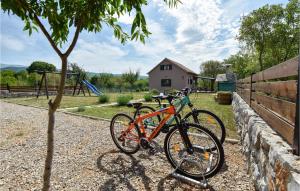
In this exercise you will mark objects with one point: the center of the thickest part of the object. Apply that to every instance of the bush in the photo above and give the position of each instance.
(154, 92)
(81, 109)
(123, 100)
(103, 98)
(148, 97)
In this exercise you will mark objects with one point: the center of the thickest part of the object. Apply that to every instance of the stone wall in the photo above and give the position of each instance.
(269, 158)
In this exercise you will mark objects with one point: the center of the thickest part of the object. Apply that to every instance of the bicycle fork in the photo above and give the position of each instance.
(182, 127)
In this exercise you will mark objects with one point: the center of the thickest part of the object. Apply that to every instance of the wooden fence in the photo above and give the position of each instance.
(30, 88)
(272, 93)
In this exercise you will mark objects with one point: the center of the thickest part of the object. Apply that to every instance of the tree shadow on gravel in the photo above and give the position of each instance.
(159, 152)
(122, 168)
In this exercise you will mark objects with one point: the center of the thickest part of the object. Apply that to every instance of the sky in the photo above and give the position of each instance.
(194, 32)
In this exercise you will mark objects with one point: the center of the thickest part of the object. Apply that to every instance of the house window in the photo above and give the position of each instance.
(190, 80)
(165, 82)
(166, 67)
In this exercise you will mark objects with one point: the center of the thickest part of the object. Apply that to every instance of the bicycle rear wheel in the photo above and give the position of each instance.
(208, 120)
(204, 162)
(125, 136)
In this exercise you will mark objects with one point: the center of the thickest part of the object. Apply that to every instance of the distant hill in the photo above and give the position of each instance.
(16, 68)
(91, 74)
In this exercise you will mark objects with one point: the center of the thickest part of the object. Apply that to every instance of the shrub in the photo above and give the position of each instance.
(123, 100)
(154, 92)
(103, 98)
(81, 109)
(148, 97)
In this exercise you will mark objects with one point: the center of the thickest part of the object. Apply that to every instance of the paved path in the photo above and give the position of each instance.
(86, 158)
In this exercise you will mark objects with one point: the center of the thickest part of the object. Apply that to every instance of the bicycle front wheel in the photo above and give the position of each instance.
(204, 162)
(124, 133)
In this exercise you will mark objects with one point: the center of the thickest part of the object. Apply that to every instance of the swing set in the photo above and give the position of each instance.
(79, 85)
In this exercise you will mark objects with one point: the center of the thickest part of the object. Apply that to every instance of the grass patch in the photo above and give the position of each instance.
(148, 97)
(81, 109)
(224, 112)
(107, 112)
(124, 99)
(70, 101)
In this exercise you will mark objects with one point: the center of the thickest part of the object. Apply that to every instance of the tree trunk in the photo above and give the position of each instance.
(50, 133)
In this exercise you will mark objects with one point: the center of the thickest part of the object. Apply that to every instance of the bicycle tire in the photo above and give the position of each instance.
(205, 174)
(115, 139)
(198, 112)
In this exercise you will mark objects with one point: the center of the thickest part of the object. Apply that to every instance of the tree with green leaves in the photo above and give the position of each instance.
(131, 77)
(211, 68)
(272, 33)
(64, 17)
(75, 68)
(243, 64)
(256, 28)
(40, 66)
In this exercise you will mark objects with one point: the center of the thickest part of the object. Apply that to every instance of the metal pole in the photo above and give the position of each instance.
(297, 121)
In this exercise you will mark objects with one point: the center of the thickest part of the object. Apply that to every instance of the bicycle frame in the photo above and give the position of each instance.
(180, 104)
(170, 111)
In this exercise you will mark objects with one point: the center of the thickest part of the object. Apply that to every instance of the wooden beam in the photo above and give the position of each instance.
(296, 143)
(285, 129)
(285, 89)
(285, 69)
(283, 108)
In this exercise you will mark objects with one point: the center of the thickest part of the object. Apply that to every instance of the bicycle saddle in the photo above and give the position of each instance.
(135, 104)
(164, 97)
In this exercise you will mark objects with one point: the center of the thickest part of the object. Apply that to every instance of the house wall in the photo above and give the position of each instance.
(179, 77)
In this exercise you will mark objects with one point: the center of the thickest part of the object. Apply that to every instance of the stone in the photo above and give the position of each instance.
(270, 162)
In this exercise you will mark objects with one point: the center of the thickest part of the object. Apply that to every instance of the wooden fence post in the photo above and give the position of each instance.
(297, 120)
(7, 87)
(250, 96)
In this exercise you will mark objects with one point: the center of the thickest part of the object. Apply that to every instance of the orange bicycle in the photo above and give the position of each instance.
(191, 149)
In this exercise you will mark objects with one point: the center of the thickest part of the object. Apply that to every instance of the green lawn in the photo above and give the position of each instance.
(70, 101)
(201, 101)
(106, 112)
(207, 102)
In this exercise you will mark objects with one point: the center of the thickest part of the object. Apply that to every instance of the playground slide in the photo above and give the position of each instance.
(92, 87)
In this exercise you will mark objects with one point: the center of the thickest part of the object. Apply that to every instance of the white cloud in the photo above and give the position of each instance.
(97, 57)
(202, 32)
(126, 19)
(157, 43)
(11, 42)
(196, 19)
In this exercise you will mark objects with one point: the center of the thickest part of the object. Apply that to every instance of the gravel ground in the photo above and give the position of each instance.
(86, 158)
